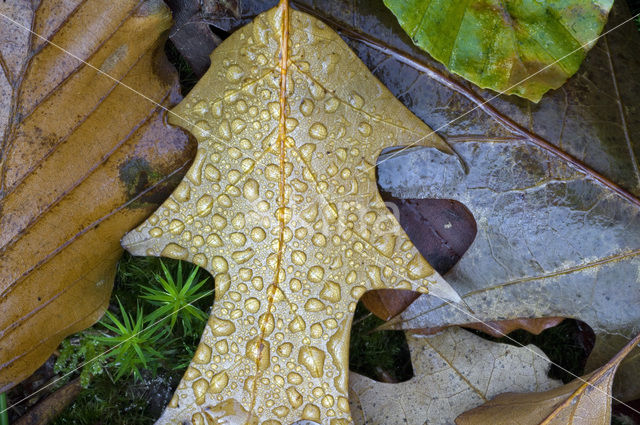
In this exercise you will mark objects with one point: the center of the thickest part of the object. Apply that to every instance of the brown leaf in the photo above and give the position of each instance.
(585, 401)
(501, 328)
(282, 207)
(191, 34)
(447, 380)
(215, 9)
(83, 159)
(388, 303)
(46, 410)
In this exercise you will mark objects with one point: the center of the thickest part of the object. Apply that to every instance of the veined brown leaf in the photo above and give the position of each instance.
(585, 401)
(82, 160)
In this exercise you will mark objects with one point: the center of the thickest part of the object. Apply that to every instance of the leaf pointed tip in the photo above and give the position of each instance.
(441, 289)
(135, 243)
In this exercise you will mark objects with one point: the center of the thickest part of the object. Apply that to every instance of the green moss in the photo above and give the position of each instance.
(133, 381)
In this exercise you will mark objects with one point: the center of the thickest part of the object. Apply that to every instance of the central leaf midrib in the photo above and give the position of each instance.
(282, 202)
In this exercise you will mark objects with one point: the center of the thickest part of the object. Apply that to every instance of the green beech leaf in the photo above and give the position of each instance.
(497, 44)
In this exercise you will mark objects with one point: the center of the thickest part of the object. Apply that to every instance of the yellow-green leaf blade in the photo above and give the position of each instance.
(523, 48)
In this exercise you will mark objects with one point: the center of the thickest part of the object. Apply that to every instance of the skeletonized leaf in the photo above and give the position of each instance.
(282, 207)
(497, 44)
(585, 401)
(82, 160)
(448, 380)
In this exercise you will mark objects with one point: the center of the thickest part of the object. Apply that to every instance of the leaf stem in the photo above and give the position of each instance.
(282, 200)
(4, 412)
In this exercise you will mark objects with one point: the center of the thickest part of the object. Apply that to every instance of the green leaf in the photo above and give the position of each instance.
(497, 44)
(174, 299)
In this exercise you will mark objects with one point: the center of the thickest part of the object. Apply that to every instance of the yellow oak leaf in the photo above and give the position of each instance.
(281, 206)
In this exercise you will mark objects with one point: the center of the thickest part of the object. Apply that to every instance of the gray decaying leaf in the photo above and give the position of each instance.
(550, 242)
(563, 245)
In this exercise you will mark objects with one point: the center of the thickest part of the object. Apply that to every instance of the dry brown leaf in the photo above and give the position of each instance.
(585, 401)
(281, 206)
(82, 160)
(191, 34)
(447, 380)
(49, 408)
(503, 327)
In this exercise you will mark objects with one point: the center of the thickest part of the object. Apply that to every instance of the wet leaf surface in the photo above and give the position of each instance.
(72, 182)
(593, 117)
(441, 229)
(281, 206)
(447, 380)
